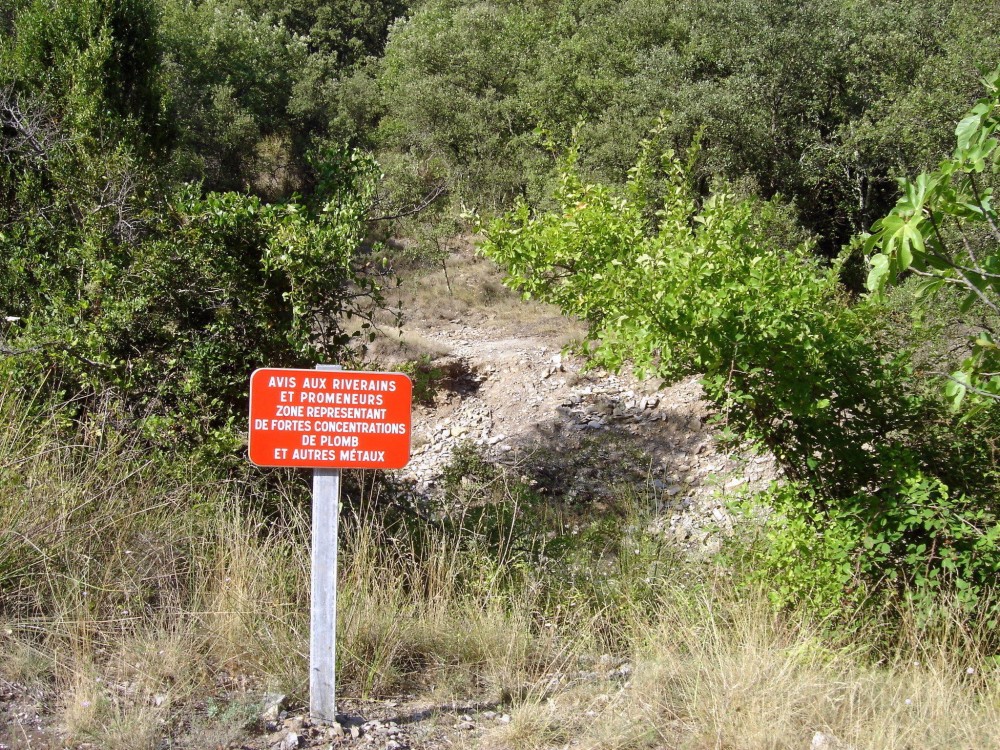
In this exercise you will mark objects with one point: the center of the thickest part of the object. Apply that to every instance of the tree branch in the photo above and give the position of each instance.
(967, 386)
(428, 199)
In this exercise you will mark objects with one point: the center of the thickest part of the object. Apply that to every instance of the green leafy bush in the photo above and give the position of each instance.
(225, 104)
(681, 284)
(801, 553)
(115, 282)
(917, 540)
(465, 83)
(694, 286)
(946, 230)
(174, 323)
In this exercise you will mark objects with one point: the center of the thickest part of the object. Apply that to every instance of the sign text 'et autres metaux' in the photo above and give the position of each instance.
(336, 419)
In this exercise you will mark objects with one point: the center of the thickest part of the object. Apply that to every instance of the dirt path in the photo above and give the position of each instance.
(511, 393)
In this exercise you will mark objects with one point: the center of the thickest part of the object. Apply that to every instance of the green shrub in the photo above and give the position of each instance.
(704, 285)
(465, 83)
(426, 378)
(172, 321)
(694, 286)
(115, 282)
(917, 541)
(945, 230)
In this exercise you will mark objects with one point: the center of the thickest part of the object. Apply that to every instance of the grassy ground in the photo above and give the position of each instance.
(144, 601)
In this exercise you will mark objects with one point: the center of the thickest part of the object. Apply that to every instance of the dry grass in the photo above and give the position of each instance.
(430, 611)
(253, 595)
(468, 288)
(134, 593)
(723, 670)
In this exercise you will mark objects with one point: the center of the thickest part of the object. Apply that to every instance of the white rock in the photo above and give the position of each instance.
(271, 706)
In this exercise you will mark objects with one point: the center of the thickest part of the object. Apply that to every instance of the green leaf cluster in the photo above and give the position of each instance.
(946, 230)
(678, 283)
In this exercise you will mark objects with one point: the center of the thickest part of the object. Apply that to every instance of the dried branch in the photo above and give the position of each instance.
(438, 191)
(31, 133)
(34, 131)
(8, 351)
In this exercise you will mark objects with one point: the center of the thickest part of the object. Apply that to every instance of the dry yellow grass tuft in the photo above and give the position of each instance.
(132, 592)
(723, 670)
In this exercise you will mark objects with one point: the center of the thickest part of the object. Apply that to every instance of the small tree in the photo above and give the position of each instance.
(683, 284)
(945, 230)
(114, 282)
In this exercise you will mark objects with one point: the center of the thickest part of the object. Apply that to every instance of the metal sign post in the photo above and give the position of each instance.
(299, 418)
(323, 598)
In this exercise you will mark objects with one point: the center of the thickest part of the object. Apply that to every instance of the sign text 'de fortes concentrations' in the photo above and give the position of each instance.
(330, 419)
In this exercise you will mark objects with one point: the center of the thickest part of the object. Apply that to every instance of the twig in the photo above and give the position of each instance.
(427, 201)
(967, 386)
(986, 213)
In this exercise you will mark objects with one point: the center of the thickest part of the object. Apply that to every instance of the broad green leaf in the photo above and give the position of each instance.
(904, 256)
(966, 129)
(927, 287)
(879, 269)
(956, 387)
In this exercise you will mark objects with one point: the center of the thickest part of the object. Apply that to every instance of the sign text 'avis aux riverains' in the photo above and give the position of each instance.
(332, 419)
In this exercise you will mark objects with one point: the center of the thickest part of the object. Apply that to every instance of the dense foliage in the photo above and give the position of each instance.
(118, 281)
(821, 102)
(946, 230)
(677, 284)
(254, 86)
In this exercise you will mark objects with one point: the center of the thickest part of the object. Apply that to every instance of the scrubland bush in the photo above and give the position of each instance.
(887, 489)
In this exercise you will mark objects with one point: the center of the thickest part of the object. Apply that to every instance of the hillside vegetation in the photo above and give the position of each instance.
(792, 201)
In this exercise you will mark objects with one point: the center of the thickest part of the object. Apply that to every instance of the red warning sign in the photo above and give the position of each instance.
(330, 419)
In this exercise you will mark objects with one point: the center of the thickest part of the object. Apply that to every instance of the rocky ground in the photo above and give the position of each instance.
(578, 434)
(383, 725)
(495, 379)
